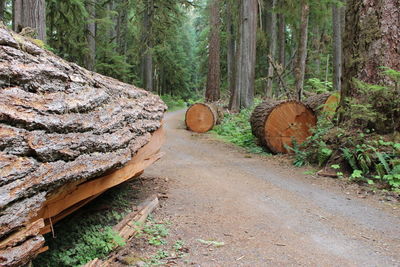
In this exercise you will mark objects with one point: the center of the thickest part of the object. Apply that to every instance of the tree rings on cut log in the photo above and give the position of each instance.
(277, 123)
(326, 102)
(202, 117)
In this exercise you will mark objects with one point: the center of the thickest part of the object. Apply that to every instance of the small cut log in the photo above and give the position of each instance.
(277, 124)
(202, 117)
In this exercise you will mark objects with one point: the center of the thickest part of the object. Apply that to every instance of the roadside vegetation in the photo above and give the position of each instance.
(367, 147)
(88, 234)
(235, 128)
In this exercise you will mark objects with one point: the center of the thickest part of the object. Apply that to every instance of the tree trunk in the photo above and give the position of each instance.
(230, 47)
(62, 129)
(337, 46)
(2, 9)
(300, 66)
(317, 49)
(281, 36)
(272, 32)
(246, 56)
(90, 58)
(282, 40)
(213, 76)
(30, 13)
(147, 55)
(277, 123)
(201, 118)
(122, 27)
(16, 15)
(372, 40)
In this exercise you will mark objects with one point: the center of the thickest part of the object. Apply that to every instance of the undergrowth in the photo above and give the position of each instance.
(173, 103)
(235, 128)
(362, 146)
(88, 233)
(176, 102)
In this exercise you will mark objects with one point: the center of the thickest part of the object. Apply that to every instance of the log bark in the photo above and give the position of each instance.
(62, 126)
(202, 117)
(326, 102)
(277, 123)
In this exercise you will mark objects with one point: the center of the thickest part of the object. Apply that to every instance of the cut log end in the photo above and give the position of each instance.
(278, 124)
(201, 118)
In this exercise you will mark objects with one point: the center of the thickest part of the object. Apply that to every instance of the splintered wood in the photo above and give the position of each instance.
(66, 136)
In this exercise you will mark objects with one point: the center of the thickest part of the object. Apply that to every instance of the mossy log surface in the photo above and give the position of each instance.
(59, 124)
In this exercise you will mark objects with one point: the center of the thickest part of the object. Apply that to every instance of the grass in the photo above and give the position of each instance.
(236, 129)
(88, 233)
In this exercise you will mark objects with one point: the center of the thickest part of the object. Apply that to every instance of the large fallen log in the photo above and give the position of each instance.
(66, 136)
(277, 124)
(202, 117)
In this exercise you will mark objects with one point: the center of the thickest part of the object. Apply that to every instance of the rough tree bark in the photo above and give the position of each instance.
(337, 46)
(243, 96)
(147, 61)
(59, 125)
(30, 13)
(281, 40)
(317, 44)
(372, 40)
(231, 64)
(272, 33)
(2, 9)
(90, 58)
(300, 65)
(122, 27)
(213, 76)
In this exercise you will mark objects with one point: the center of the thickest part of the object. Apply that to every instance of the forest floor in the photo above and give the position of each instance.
(226, 207)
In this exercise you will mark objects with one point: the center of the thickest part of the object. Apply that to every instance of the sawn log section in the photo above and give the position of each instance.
(278, 123)
(66, 136)
(202, 117)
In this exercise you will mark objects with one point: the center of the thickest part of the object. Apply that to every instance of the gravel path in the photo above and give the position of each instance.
(266, 213)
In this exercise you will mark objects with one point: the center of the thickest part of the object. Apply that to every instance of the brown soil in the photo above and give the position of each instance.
(266, 212)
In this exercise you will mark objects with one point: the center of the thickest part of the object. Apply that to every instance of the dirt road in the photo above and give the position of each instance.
(267, 214)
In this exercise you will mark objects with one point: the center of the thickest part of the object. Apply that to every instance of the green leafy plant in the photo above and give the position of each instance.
(236, 129)
(88, 234)
(173, 103)
(156, 232)
(318, 86)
